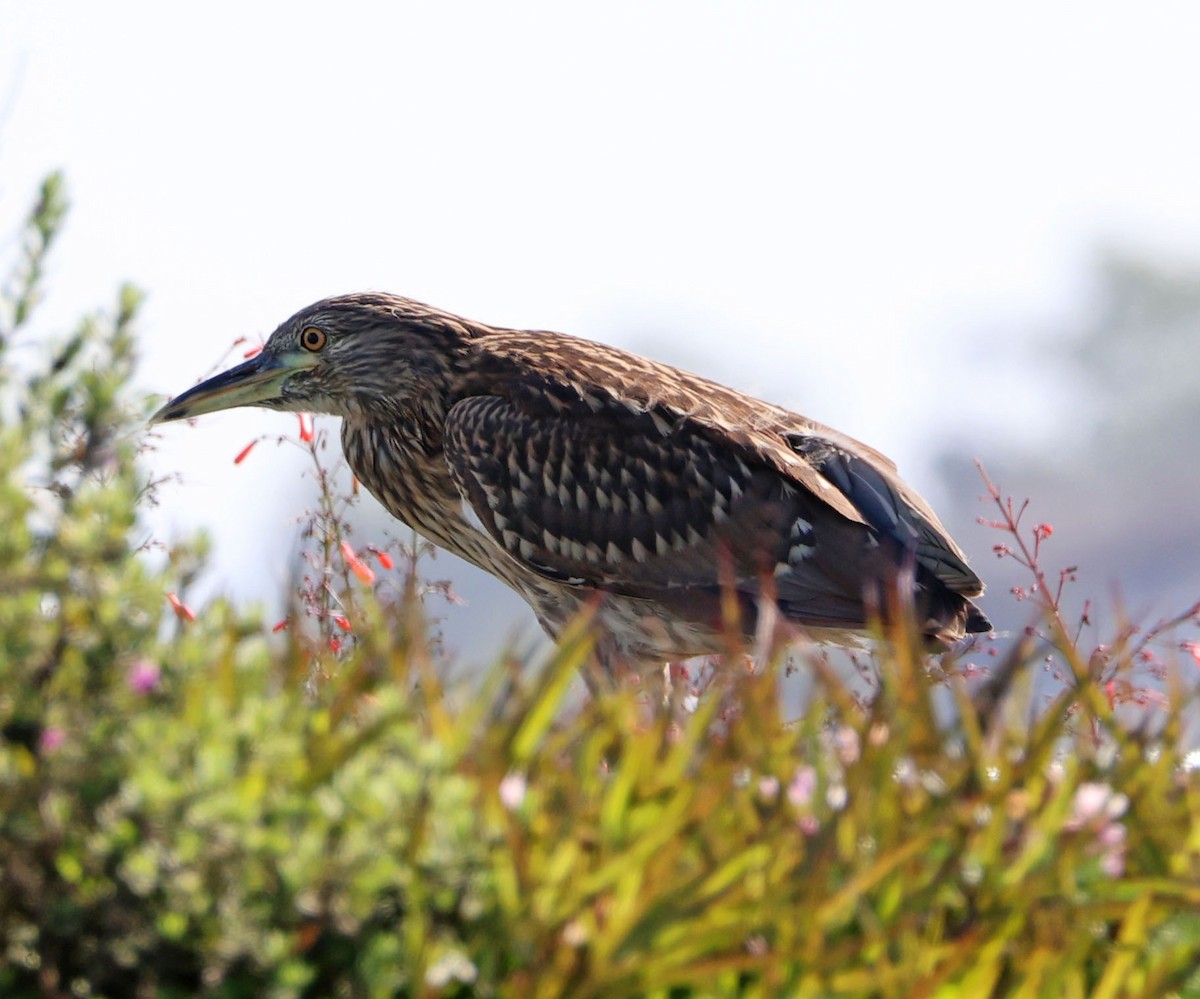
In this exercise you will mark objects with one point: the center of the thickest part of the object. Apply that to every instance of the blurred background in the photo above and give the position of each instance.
(952, 231)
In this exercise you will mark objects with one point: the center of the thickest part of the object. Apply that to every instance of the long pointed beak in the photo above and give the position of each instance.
(251, 383)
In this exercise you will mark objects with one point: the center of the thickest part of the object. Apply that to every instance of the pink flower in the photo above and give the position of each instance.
(802, 786)
(846, 744)
(1111, 842)
(1194, 649)
(1096, 808)
(51, 739)
(143, 676)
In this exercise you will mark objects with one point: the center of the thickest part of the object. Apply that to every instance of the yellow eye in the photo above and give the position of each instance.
(313, 339)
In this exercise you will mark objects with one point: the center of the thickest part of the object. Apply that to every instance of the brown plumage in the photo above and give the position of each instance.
(581, 474)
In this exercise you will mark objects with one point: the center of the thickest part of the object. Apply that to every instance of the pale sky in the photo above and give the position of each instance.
(818, 203)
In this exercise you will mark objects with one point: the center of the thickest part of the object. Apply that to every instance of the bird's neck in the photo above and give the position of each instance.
(400, 463)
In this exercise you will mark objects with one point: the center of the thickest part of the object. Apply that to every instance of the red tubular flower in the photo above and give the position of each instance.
(365, 574)
(306, 427)
(241, 456)
(182, 610)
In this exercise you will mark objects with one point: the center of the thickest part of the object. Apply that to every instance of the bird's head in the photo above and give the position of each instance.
(341, 356)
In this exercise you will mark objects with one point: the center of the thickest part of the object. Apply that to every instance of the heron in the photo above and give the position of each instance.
(588, 478)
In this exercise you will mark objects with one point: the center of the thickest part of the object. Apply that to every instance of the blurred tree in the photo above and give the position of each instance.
(1115, 469)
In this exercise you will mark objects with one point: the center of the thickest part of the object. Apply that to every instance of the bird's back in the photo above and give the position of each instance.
(597, 468)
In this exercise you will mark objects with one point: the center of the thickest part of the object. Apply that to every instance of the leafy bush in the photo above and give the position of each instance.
(192, 803)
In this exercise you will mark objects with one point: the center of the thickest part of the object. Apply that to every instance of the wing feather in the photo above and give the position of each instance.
(602, 503)
(602, 468)
(581, 499)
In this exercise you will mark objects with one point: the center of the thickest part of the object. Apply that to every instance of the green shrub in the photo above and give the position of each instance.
(193, 805)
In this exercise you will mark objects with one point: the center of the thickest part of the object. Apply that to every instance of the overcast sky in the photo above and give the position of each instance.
(819, 203)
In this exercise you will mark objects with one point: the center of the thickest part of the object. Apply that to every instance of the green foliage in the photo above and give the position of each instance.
(190, 805)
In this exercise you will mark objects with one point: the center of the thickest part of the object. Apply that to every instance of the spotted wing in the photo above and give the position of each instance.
(841, 474)
(609, 501)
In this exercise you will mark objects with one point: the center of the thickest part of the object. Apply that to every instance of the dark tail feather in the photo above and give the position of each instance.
(951, 618)
(977, 621)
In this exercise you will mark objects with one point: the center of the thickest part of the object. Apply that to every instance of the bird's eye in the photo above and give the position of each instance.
(313, 339)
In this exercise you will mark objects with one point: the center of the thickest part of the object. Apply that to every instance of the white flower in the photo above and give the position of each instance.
(453, 966)
(512, 791)
(1095, 803)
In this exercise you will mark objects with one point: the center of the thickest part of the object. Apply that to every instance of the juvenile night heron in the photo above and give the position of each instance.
(585, 476)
